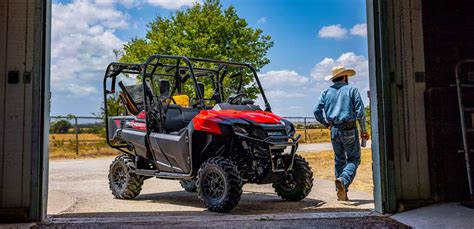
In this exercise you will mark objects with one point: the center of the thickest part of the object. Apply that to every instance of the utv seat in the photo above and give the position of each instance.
(132, 97)
(178, 117)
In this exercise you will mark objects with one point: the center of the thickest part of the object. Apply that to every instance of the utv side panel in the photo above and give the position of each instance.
(173, 149)
(137, 138)
(113, 125)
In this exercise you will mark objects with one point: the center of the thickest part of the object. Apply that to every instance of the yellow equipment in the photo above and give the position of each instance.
(182, 100)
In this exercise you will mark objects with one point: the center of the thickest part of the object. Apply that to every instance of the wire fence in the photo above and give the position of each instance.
(82, 135)
(75, 133)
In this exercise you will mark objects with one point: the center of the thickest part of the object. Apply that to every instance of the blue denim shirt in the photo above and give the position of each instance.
(341, 103)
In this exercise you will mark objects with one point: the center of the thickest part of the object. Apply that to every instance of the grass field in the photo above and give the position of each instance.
(63, 146)
(314, 135)
(322, 164)
(82, 137)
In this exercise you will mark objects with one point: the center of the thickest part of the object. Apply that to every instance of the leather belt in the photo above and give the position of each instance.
(345, 126)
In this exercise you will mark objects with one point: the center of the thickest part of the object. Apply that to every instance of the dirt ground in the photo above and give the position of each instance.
(322, 164)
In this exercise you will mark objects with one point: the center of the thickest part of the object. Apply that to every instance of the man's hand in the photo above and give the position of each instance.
(329, 126)
(365, 136)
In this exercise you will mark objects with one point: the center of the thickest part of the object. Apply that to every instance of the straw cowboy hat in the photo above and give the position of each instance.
(340, 71)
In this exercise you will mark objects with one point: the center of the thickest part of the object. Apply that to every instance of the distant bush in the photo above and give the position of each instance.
(60, 127)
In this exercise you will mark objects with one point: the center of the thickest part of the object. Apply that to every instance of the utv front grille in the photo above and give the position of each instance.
(275, 133)
(263, 133)
(278, 139)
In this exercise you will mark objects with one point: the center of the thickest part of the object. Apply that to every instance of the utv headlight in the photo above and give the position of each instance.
(240, 130)
(290, 129)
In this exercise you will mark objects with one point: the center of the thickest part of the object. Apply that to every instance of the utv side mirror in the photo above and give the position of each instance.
(164, 88)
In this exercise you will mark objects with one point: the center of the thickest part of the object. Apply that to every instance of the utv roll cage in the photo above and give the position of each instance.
(148, 69)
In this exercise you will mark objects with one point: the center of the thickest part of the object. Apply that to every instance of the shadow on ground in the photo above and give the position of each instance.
(335, 222)
(255, 209)
(250, 203)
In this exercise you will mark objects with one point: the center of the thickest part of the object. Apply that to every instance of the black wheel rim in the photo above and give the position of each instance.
(214, 185)
(119, 178)
(288, 183)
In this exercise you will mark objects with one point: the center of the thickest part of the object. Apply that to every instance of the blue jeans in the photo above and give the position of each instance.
(346, 147)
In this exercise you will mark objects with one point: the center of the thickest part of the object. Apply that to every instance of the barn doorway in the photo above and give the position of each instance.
(79, 139)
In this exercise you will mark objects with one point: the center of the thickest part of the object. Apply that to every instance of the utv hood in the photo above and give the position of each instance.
(257, 116)
(209, 120)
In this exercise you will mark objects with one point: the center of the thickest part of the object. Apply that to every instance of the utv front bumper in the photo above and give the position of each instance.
(283, 160)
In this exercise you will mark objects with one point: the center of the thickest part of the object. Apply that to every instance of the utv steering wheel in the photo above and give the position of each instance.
(233, 99)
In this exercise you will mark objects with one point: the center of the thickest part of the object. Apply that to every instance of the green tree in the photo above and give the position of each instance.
(114, 107)
(60, 127)
(367, 116)
(205, 30)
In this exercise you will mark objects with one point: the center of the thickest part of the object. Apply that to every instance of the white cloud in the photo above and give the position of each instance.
(349, 60)
(283, 95)
(333, 31)
(359, 30)
(126, 3)
(173, 4)
(339, 32)
(292, 94)
(262, 20)
(282, 78)
(82, 44)
(285, 89)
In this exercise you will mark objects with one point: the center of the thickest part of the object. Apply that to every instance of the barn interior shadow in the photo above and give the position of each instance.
(250, 203)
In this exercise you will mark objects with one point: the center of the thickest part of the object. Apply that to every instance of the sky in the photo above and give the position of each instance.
(310, 38)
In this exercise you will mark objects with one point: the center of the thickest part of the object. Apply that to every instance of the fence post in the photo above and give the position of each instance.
(305, 132)
(77, 136)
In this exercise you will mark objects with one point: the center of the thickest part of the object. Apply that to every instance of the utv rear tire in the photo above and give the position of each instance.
(123, 182)
(298, 183)
(219, 185)
(188, 185)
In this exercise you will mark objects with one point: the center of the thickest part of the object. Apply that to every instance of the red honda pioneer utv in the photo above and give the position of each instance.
(213, 142)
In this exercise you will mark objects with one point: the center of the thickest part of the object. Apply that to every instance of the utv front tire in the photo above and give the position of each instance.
(123, 182)
(219, 185)
(188, 185)
(297, 184)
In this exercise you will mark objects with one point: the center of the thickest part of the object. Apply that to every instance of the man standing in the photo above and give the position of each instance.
(342, 106)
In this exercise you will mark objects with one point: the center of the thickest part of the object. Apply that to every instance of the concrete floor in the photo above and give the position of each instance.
(443, 215)
(311, 220)
(81, 186)
(78, 192)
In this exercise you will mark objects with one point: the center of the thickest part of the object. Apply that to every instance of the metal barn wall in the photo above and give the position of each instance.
(23, 71)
